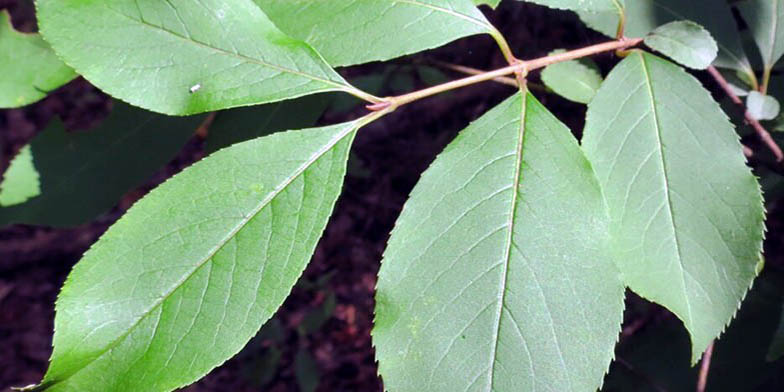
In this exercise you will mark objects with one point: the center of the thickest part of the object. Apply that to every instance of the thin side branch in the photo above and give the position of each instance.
(519, 68)
(763, 134)
(473, 71)
(702, 381)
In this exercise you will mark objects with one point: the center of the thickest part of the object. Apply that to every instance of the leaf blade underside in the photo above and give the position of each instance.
(497, 275)
(687, 215)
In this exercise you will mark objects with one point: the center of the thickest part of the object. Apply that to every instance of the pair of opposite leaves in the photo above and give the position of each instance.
(506, 270)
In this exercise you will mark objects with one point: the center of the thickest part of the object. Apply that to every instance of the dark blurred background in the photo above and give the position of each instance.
(320, 338)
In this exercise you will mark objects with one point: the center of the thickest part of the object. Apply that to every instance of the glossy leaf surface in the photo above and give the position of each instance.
(190, 273)
(766, 22)
(687, 216)
(497, 275)
(685, 42)
(84, 174)
(181, 56)
(360, 31)
(29, 69)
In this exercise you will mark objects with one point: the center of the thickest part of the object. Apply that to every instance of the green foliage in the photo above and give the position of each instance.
(477, 288)
(576, 80)
(359, 31)
(241, 124)
(184, 57)
(762, 107)
(508, 266)
(157, 309)
(21, 180)
(29, 69)
(766, 22)
(83, 175)
(685, 42)
(687, 215)
(583, 5)
(643, 16)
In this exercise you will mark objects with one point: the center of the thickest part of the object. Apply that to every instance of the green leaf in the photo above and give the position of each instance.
(685, 42)
(360, 31)
(766, 22)
(84, 174)
(183, 57)
(306, 371)
(576, 80)
(241, 124)
(190, 273)
(643, 16)
(29, 69)
(497, 275)
(21, 180)
(583, 5)
(687, 215)
(762, 107)
(490, 3)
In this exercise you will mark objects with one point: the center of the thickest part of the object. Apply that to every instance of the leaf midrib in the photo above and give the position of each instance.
(510, 223)
(350, 128)
(654, 111)
(238, 55)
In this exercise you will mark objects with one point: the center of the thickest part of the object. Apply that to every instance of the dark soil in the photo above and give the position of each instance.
(389, 157)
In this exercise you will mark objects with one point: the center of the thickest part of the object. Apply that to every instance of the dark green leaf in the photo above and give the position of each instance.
(83, 175)
(241, 124)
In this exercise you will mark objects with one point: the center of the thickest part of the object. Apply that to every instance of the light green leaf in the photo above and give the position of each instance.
(685, 42)
(181, 56)
(576, 80)
(490, 3)
(190, 273)
(583, 5)
(84, 174)
(241, 124)
(687, 215)
(360, 31)
(497, 275)
(21, 180)
(643, 16)
(29, 69)
(766, 22)
(762, 107)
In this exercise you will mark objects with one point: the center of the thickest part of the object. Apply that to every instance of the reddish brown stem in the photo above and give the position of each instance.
(763, 134)
(702, 381)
